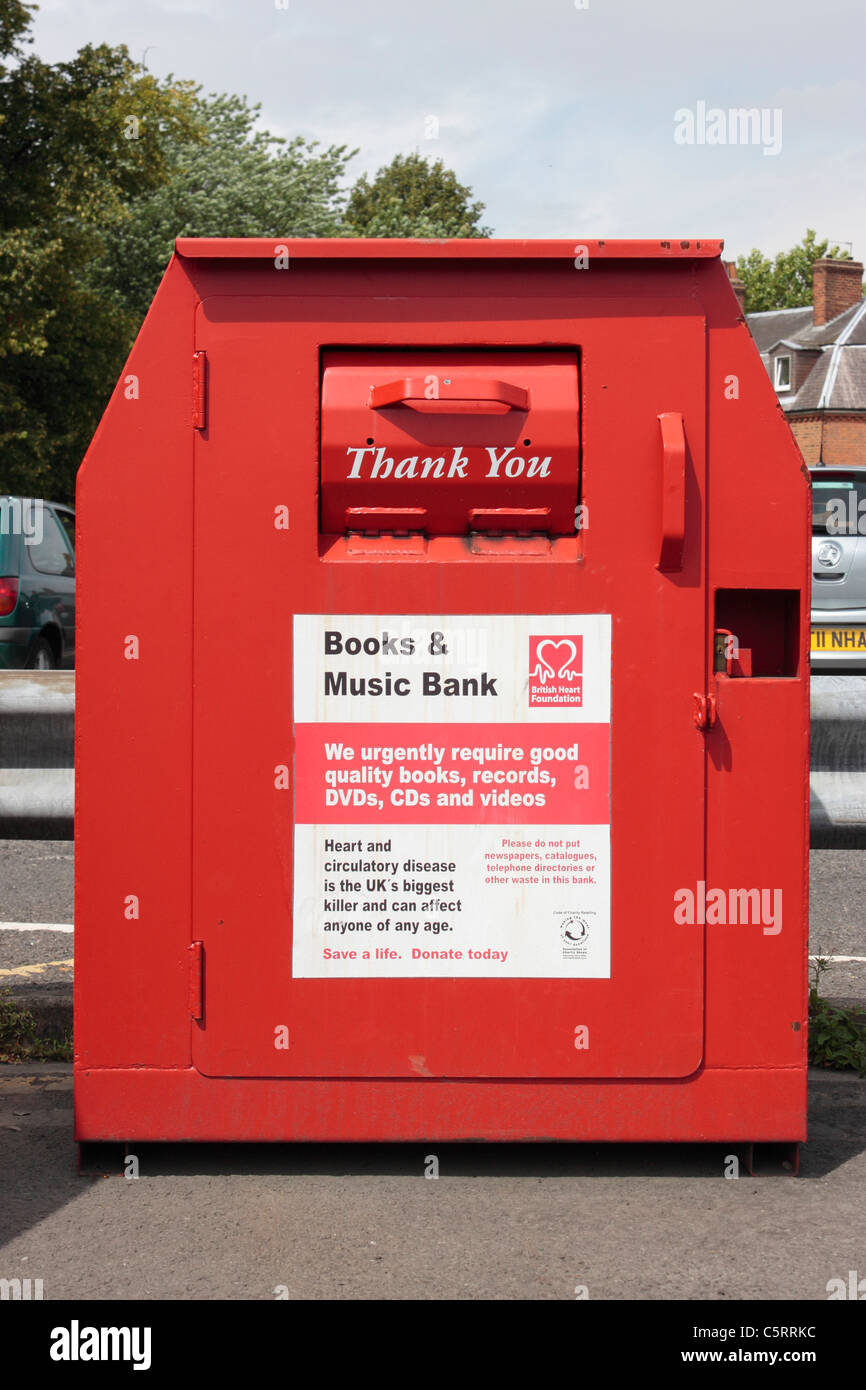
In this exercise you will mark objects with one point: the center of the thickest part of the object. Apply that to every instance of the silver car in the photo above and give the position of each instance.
(838, 569)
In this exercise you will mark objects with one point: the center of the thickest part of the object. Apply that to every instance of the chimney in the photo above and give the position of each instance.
(736, 284)
(836, 286)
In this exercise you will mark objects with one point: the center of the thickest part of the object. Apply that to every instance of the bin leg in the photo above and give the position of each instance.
(766, 1160)
(102, 1160)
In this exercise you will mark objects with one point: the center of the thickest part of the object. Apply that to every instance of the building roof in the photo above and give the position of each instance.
(772, 325)
(837, 380)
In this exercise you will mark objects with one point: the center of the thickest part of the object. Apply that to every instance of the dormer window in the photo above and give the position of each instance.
(782, 373)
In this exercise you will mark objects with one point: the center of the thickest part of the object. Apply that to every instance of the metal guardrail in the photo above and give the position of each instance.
(837, 778)
(37, 714)
(37, 787)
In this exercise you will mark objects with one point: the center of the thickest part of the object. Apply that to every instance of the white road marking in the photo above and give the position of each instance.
(842, 960)
(36, 926)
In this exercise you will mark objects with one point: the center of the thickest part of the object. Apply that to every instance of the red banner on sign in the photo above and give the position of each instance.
(553, 774)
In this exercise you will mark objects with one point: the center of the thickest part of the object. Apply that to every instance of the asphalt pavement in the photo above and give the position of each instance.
(623, 1222)
(363, 1222)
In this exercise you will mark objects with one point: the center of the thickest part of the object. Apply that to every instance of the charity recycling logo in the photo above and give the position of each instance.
(574, 931)
(555, 670)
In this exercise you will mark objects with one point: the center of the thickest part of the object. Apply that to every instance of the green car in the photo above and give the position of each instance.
(37, 584)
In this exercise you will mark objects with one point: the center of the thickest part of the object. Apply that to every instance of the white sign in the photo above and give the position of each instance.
(452, 796)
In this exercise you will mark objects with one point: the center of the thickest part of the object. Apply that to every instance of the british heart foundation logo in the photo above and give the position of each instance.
(555, 671)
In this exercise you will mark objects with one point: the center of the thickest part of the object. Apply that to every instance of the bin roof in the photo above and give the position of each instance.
(445, 248)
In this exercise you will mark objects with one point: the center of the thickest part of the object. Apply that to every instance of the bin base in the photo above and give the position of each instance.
(743, 1106)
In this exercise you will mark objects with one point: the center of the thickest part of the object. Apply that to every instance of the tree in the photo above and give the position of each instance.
(77, 139)
(15, 19)
(786, 282)
(102, 166)
(410, 197)
(233, 181)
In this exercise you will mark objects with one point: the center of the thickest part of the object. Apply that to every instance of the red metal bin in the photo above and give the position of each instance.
(442, 718)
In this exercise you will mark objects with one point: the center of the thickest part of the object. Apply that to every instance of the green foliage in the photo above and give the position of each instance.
(837, 1037)
(233, 180)
(786, 282)
(15, 19)
(16, 1025)
(19, 1039)
(77, 139)
(67, 167)
(102, 166)
(410, 197)
(53, 1049)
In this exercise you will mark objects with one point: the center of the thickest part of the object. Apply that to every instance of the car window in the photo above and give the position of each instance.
(838, 506)
(67, 521)
(52, 553)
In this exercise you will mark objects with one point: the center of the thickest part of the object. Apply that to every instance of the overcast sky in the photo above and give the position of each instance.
(561, 118)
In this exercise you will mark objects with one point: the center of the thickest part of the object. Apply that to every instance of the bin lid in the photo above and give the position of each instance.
(445, 248)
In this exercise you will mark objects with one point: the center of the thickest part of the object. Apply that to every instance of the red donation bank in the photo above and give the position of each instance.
(442, 727)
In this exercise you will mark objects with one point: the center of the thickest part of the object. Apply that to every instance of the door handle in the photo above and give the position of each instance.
(453, 396)
(673, 491)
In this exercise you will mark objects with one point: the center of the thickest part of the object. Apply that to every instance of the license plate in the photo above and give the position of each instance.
(839, 639)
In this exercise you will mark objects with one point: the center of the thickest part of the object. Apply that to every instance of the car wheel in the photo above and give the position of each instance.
(42, 657)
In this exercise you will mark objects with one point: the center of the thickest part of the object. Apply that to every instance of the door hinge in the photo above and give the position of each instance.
(704, 713)
(196, 980)
(199, 390)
